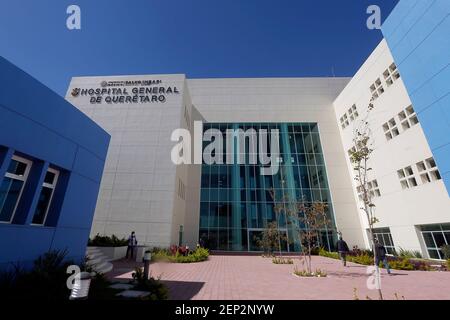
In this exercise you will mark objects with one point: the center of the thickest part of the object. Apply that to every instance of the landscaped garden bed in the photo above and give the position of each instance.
(47, 280)
(405, 261)
(110, 246)
(179, 255)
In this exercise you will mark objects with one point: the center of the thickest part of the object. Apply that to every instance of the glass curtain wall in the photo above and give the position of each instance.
(236, 201)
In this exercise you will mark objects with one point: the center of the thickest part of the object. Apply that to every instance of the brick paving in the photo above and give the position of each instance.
(254, 277)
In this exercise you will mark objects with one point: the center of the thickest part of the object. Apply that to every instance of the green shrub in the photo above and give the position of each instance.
(409, 254)
(282, 260)
(361, 259)
(328, 254)
(448, 265)
(107, 241)
(46, 280)
(163, 255)
(401, 264)
(446, 251)
(304, 273)
(157, 289)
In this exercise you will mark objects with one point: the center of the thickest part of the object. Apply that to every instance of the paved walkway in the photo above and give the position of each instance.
(255, 277)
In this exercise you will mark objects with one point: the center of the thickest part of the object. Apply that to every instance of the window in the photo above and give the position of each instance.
(344, 121)
(45, 198)
(353, 113)
(12, 186)
(391, 74)
(390, 129)
(236, 201)
(384, 237)
(408, 118)
(428, 171)
(349, 116)
(435, 236)
(407, 179)
(373, 188)
(376, 89)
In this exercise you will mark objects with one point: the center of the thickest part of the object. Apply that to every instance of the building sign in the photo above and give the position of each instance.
(131, 91)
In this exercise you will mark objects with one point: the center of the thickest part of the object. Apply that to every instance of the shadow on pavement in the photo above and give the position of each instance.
(182, 290)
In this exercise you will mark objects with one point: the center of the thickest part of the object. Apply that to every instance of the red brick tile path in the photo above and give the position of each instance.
(254, 277)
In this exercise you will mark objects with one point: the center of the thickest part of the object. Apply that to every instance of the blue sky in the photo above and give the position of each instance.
(201, 38)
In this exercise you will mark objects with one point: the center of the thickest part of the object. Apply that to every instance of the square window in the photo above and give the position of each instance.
(412, 182)
(402, 115)
(435, 175)
(421, 166)
(409, 171)
(431, 163)
(404, 184)
(425, 178)
(405, 125)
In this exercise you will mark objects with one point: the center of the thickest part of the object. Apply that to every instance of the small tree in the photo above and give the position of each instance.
(360, 156)
(312, 220)
(271, 238)
(307, 219)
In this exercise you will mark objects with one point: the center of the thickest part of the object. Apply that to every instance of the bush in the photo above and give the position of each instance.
(448, 265)
(304, 273)
(409, 254)
(360, 252)
(46, 280)
(157, 289)
(107, 241)
(401, 264)
(282, 260)
(328, 254)
(363, 259)
(446, 251)
(164, 255)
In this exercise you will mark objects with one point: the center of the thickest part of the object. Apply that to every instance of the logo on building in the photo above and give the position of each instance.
(75, 92)
(127, 91)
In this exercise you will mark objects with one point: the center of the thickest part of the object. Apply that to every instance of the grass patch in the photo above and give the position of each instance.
(304, 273)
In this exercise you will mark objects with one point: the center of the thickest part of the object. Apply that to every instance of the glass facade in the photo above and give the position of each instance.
(436, 236)
(236, 201)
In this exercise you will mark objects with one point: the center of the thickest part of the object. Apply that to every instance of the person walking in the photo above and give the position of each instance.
(343, 250)
(132, 243)
(381, 255)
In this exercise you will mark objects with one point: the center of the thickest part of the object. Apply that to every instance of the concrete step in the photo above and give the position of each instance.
(98, 261)
(93, 250)
(103, 267)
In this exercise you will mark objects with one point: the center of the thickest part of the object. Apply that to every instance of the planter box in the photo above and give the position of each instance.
(113, 253)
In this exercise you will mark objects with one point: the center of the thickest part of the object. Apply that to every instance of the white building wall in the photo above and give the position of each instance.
(400, 210)
(138, 186)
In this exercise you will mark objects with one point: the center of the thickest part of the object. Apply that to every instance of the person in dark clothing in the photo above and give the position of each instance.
(381, 255)
(132, 243)
(343, 250)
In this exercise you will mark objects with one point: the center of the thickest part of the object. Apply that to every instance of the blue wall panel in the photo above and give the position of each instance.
(417, 33)
(38, 124)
